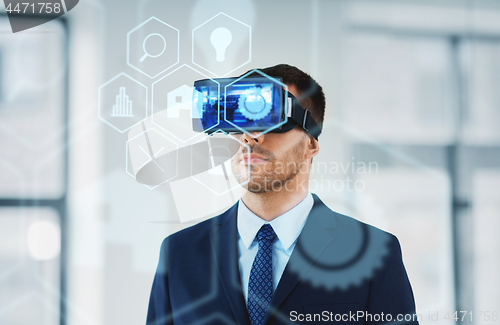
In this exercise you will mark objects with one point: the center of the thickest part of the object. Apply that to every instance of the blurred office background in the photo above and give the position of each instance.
(413, 86)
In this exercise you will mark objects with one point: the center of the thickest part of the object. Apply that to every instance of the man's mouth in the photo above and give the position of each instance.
(253, 159)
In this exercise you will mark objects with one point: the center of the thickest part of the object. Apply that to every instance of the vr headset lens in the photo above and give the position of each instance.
(250, 104)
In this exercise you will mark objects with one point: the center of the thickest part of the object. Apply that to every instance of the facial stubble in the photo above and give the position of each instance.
(264, 177)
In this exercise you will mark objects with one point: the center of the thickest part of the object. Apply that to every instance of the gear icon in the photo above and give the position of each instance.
(253, 105)
(357, 263)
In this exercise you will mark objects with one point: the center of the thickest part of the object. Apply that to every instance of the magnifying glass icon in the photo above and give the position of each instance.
(146, 53)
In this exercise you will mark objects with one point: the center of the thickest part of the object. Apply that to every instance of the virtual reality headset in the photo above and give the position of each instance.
(248, 104)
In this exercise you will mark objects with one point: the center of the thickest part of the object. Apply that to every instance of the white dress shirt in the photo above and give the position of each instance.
(287, 228)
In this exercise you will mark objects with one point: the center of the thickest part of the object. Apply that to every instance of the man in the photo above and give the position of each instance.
(280, 256)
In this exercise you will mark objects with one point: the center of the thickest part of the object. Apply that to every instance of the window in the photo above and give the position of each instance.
(33, 173)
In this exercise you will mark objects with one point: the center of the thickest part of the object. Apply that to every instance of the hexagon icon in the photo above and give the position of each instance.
(153, 47)
(221, 45)
(123, 102)
(151, 158)
(175, 106)
(264, 92)
(220, 179)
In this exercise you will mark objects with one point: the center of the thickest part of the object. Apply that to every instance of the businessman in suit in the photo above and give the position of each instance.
(280, 255)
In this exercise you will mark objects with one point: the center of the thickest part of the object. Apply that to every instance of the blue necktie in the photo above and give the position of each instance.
(260, 284)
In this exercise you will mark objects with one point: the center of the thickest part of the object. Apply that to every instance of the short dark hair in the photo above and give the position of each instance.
(311, 95)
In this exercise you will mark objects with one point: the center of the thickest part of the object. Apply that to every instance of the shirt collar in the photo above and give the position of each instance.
(287, 226)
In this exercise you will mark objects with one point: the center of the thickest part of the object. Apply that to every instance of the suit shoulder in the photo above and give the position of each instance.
(350, 222)
(192, 232)
(332, 219)
(376, 236)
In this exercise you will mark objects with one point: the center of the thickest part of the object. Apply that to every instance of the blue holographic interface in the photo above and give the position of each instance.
(249, 104)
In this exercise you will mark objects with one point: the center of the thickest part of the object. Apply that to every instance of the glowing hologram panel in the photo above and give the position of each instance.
(174, 112)
(263, 110)
(221, 45)
(146, 152)
(153, 47)
(122, 102)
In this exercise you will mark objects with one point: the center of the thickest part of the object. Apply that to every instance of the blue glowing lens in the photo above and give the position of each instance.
(249, 104)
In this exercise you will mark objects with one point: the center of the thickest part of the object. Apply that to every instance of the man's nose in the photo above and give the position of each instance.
(253, 137)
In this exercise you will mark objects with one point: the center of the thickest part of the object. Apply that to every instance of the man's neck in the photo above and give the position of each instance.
(272, 204)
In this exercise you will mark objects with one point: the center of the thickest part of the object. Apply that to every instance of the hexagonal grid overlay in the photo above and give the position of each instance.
(153, 47)
(221, 45)
(122, 102)
(173, 107)
(273, 80)
(151, 158)
(220, 179)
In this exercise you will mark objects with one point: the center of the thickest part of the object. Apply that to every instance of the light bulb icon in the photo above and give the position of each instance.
(221, 38)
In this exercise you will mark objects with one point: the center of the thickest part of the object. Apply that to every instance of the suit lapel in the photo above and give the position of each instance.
(313, 239)
(224, 239)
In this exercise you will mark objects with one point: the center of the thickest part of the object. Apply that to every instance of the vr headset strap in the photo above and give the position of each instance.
(302, 117)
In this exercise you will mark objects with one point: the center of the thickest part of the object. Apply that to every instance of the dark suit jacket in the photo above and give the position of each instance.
(339, 266)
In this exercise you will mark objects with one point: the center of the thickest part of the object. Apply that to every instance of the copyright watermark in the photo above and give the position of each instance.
(327, 316)
(333, 176)
(37, 12)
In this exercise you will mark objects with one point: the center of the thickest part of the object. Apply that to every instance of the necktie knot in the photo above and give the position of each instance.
(266, 232)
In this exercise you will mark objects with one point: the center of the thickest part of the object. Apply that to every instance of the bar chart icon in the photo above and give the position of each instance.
(123, 105)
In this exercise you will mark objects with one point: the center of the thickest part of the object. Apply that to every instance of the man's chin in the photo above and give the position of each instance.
(256, 188)
(261, 185)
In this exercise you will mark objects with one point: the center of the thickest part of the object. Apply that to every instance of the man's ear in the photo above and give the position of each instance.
(312, 147)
